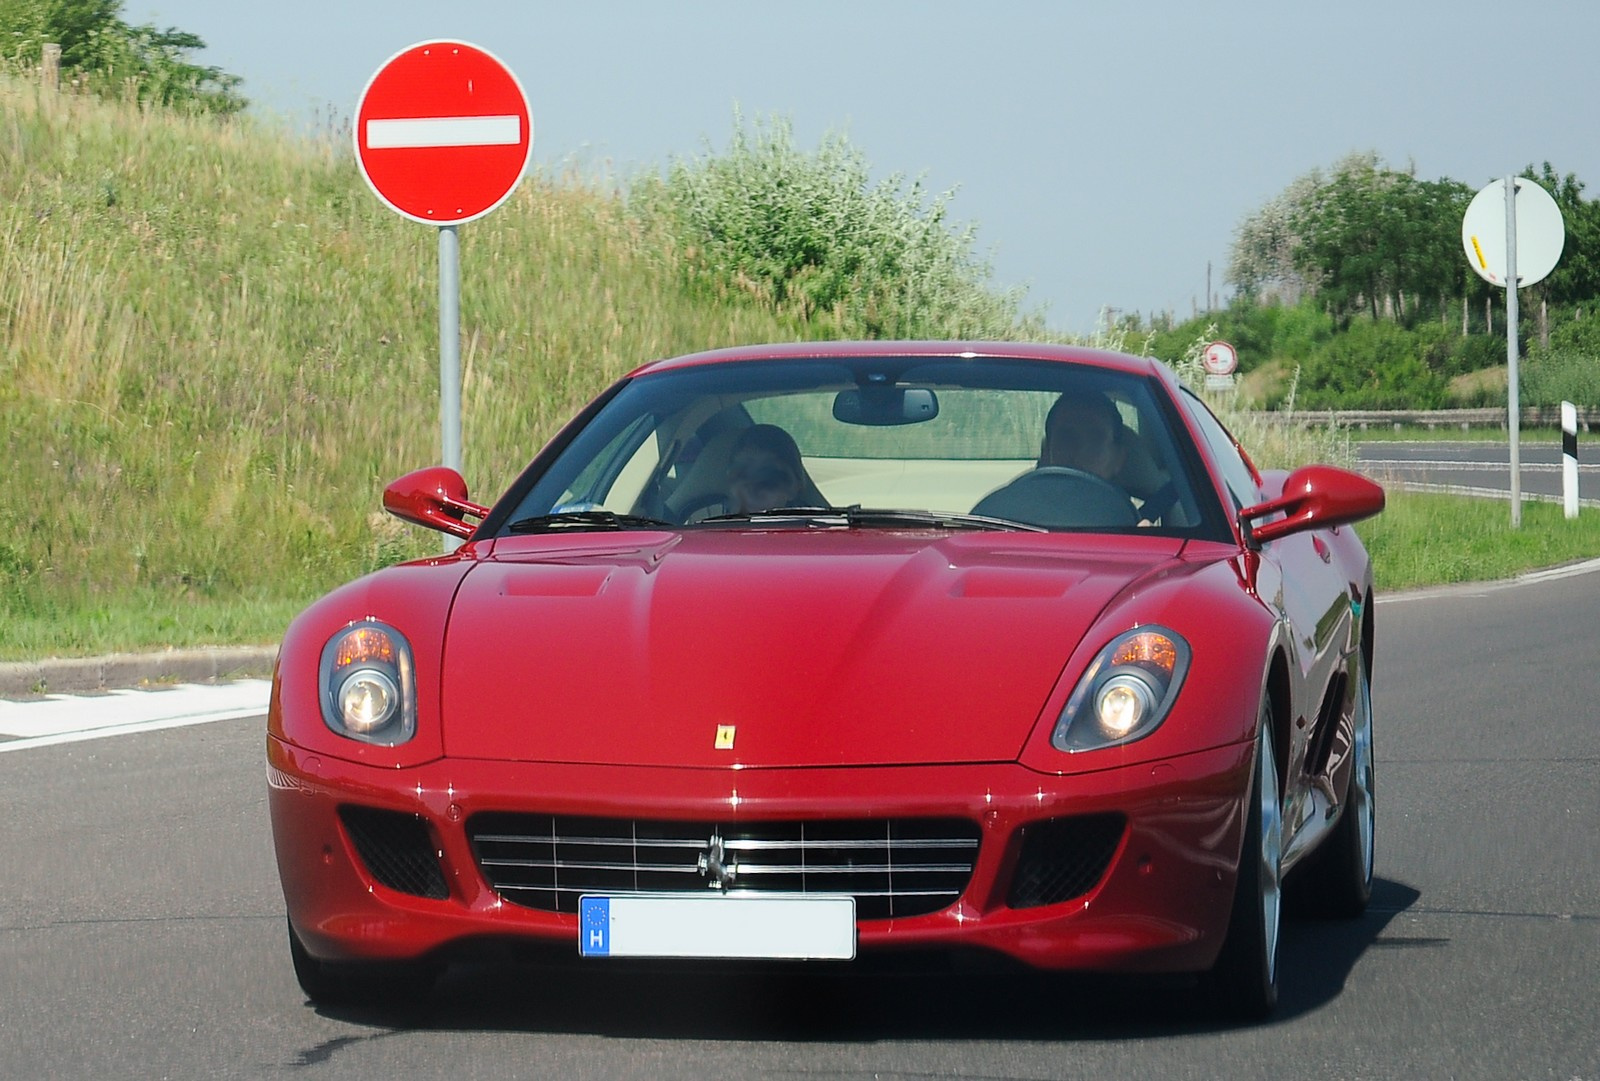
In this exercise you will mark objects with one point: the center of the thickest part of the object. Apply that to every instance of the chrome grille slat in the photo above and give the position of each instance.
(848, 869)
(564, 865)
(765, 846)
(858, 894)
(612, 842)
(893, 868)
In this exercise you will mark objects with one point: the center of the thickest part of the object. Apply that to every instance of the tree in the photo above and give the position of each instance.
(1576, 277)
(111, 58)
(1261, 262)
(1362, 236)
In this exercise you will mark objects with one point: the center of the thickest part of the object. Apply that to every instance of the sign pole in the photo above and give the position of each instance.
(450, 356)
(1530, 211)
(1514, 405)
(443, 135)
(450, 347)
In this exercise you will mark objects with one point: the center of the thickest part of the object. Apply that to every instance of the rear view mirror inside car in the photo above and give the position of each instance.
(881, 407)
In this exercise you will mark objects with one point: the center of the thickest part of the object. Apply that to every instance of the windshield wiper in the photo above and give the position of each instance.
(585, 519)
(888, 517)
(776, 514)
(858, 517)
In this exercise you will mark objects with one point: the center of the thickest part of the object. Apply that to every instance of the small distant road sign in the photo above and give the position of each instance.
(1220, 358)
(443, 132)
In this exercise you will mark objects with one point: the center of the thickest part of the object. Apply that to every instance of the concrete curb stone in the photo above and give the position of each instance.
(78, 675)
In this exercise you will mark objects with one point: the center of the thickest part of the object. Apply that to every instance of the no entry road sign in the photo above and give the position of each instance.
(443, 132)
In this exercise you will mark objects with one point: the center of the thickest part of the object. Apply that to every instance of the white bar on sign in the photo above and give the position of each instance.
(423, 131)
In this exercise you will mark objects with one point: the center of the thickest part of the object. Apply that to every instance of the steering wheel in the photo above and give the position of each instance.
(703, 503)
(1056, 496)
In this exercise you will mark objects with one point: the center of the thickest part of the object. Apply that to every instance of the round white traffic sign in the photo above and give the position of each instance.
(443, 132)
(1541, 233)
(1220, 358)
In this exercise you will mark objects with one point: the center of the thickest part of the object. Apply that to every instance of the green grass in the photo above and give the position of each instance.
(145, 621)
(1419, 540)
(1423, 539)
(216, 347)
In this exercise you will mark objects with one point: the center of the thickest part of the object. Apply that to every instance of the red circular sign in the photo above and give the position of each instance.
(1219, 358)
(443, 132)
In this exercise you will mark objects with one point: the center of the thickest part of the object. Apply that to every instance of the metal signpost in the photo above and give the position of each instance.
(1503, 215)
(443, 134)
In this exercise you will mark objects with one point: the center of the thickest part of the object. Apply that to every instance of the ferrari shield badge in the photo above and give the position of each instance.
(724, 741)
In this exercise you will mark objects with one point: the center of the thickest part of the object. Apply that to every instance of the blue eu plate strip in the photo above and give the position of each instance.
(594, 926)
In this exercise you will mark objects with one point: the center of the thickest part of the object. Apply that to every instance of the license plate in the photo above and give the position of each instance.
(718, 925)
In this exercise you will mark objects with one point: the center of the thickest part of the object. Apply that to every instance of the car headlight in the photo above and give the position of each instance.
(1126, 693)
(367, 686)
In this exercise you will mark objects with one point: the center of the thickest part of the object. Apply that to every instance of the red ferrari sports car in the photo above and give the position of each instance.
(823, 651)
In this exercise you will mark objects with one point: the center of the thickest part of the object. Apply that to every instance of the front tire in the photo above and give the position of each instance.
(1245, 977)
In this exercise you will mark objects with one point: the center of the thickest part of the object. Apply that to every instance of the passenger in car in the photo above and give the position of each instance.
(764, 470)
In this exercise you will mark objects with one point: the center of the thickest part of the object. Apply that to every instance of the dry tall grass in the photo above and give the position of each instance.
(218, 346)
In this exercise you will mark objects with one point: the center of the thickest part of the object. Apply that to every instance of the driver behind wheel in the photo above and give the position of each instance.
(1084, 431)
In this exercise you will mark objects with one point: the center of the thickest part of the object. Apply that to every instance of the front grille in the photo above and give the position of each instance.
(903, 867)
(1063, 858)
(397, 850)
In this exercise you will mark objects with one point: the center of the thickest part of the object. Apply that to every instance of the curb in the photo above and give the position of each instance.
(76, 675)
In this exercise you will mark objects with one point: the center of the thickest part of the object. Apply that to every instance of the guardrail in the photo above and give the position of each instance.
(1363, 419)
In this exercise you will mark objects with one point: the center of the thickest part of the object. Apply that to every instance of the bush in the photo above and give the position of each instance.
(1473, 353)
(809, 234)
(1373, 365)
(1261, 333)
(1561, 375)
(1581, 335)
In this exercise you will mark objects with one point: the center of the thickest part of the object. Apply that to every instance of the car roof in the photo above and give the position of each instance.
(826, 350)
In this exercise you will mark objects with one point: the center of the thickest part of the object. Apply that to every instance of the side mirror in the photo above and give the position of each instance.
(1314, 497)
(435, 497)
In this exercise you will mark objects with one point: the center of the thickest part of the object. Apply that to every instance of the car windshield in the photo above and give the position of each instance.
(874, 442)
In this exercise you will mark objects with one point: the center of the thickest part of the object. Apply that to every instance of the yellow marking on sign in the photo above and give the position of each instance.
(725, 737)
(1484, 263)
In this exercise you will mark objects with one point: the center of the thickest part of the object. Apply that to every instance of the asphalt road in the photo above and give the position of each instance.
(1479, 468)
(141, 927)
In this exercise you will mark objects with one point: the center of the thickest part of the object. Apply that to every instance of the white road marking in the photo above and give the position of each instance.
(60, 718)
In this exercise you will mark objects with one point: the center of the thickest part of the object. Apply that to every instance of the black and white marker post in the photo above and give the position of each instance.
(1569, 458)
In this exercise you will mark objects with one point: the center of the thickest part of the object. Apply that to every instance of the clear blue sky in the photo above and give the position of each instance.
(1106, 152)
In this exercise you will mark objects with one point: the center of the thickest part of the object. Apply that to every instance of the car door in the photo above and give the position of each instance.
(1299, 579)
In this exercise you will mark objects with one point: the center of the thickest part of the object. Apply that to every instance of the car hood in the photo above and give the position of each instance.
(752, 648)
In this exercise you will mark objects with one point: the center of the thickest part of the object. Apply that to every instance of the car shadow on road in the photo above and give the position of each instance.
(918, 1002)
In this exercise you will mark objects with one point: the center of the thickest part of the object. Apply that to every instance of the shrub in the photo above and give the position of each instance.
(1373, 365)
(810, 234)
(1565, 374)
(1261, 333)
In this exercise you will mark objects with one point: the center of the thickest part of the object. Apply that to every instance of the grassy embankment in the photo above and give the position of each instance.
(218, 347)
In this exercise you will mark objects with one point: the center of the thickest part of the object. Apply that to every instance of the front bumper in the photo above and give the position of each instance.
(1160, 905)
